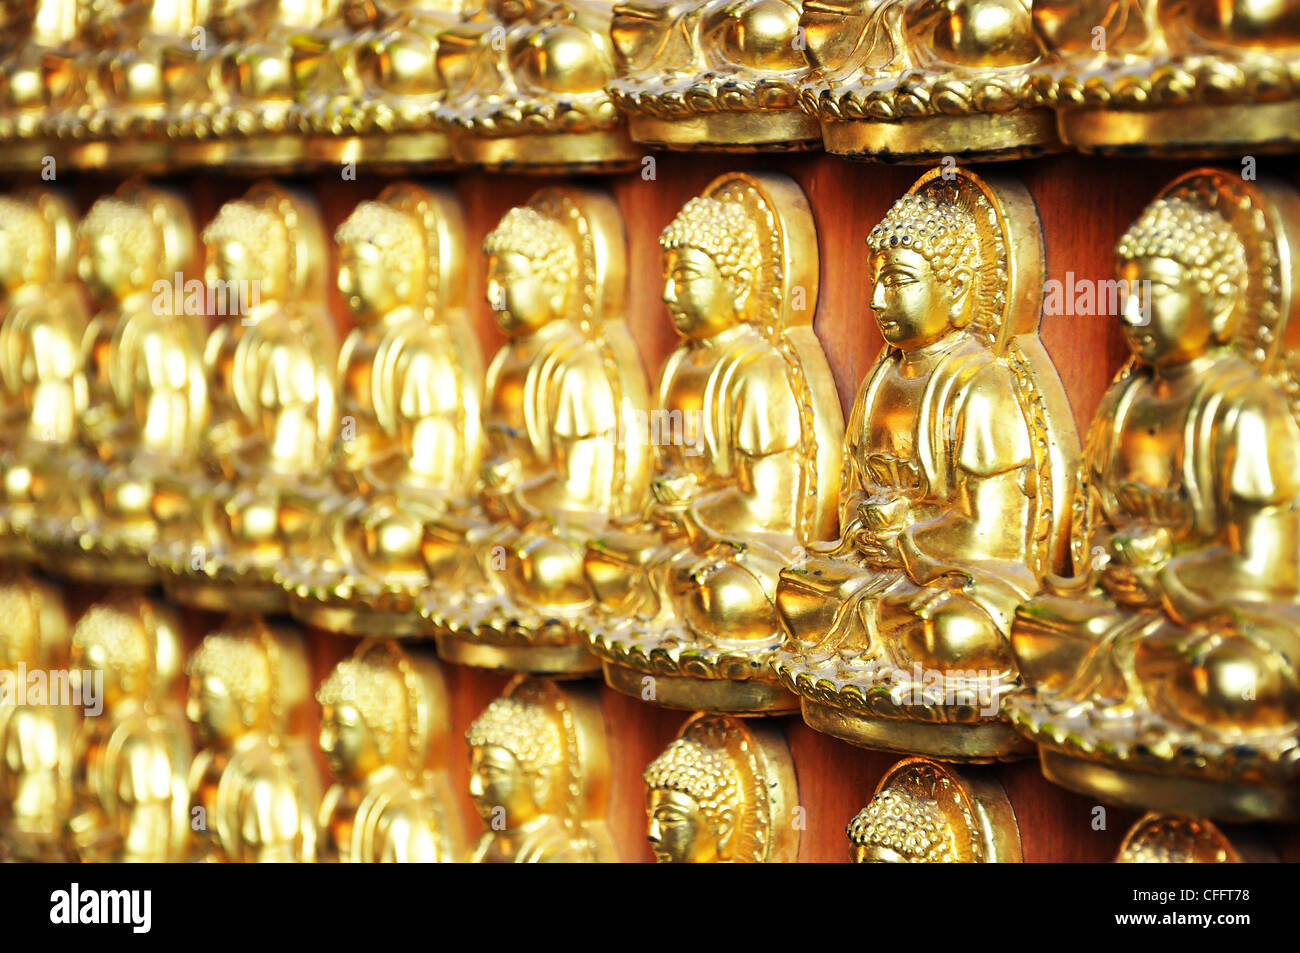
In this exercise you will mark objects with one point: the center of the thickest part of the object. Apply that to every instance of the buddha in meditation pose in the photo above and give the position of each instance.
(131, 801)
(1164, 671)
(271, 367)
(749, 475)
(564, 454)
(410, 378)
(537, 776)
(957, 461)
(147, 393)
(37, 733)
(722, 792)
(383, 719)
(254, 788)
(43, 324)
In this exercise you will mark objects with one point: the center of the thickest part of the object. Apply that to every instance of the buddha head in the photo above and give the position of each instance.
(924, 262)
(231, 688)
(711, 264)
(899, 826)
(26, 246)
(247, 242)
(111, 642)
(693, 795)
(120, 249)
(532, 270)
(1182, 267)
(364, 719)
(36, 623)
(516, 759)
(381, 260)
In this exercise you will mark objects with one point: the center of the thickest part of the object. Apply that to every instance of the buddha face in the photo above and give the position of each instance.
(1167, 319)
(109, 270)
(347, 742)
(912, 306)
(678, 831)
(213, 711)
(701, 303)
(236, 261)
(501, 791)
(518, 294)
(369, 284)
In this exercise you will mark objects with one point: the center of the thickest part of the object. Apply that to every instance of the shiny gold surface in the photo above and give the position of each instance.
(723, 792)
(956, 489)
(410, 385)
(926, 812)
(539, 775)
(1162, 673)
(564, 454)
(747, 479)
(384, 727)
(1167, 839)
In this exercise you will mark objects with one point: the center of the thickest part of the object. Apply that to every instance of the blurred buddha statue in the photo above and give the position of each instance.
(384, 720)
(42, 327)
(1163, 673)
(254, 788)
(958, 463)
(926, 812)
(1172, 77)
(131, 802)
(750, 475)
(538, 775)
(271, 365)
(564, 455)
(411, 381)
(37, 732)
(915, 80)
(369, 85)
(525, 84)
(723, 792)
(33, 35)
(723, 74)
(147, 393)
(1170, 839)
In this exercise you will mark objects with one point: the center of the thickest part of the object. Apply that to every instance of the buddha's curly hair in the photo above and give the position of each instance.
(258, 229)
(378, 691)
(701, 772)
(123, 640)
(722, 231)
(1199, 239)
(543, 241)
(910, 826)
(528, 733)
(395, 234)
(24, 228)
(941, 232)
(130, 226)
(239, 662)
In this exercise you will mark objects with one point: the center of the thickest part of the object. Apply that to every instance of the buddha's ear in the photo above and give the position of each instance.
(961, 282)
(739, 286)
(1223, 310)
(726, 827)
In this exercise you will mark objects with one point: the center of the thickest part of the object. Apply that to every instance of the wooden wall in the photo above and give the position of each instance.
(1085, 203)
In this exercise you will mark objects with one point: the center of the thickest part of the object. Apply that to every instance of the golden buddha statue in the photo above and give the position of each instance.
(718, 75)
(411, 382)
(539, 775)
(254, 788)
(1169, 839)
(146, 390)
(368, 88)
(384, 717)
(34, 35)
(685, 589)
(926, 812)
(42, 328)
(1162, 674)
(525, 84)
(131, 802)
(958, 464)
(564, 452)
(270, 369)
(37, 733)
(233, 99)
(723, 792)
(1172, 77)
(914, 80)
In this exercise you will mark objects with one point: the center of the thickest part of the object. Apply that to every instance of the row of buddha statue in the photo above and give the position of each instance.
(144, 755)
(592, 84)
(952, 573)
